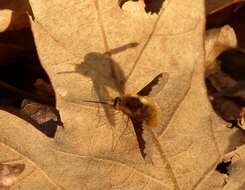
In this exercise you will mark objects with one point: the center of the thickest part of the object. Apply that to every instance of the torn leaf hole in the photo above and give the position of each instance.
(151, 6)
(223, 167)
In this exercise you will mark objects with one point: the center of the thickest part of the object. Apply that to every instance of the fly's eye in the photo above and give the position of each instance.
(117, 101)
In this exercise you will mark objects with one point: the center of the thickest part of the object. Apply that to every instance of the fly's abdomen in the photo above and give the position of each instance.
(152, 115)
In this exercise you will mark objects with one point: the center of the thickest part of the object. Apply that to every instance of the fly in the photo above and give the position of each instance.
(140, 108)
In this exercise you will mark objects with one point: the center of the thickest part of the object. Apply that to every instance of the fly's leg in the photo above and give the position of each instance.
(117, 141)
(99, 114)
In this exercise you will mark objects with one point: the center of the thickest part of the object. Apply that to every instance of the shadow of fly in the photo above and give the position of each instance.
(140, 108)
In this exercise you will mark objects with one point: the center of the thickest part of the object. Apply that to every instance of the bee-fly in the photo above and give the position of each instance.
(141, 108)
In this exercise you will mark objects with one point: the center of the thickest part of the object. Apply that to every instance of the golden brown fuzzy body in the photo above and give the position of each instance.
(138, 107)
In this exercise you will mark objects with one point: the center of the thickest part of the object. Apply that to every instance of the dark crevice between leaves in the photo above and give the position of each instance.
(22, 77)
(233, 15)
(233, 63)
(226, 86)
(151, 6)
(235, 124)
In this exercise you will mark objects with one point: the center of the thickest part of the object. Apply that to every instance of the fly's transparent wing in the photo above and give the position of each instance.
(103, 95)
(155, 86)
(145, 139)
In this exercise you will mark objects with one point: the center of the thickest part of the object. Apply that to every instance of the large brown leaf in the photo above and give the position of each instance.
(79, 42)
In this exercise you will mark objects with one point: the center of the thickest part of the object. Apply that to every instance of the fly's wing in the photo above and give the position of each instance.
(138, 129)
(150, 145)
(103, 94)
(155, 86)
(144, 138)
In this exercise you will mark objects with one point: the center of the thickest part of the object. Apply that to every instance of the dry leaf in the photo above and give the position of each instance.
(233, 178)
(74, 41)
(241, 119)
(9, 174)
(217, 41)
(43, 117)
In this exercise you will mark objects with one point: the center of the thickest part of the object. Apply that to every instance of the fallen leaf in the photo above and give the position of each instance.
(74, 41)
(9, 174)
(43, 117)
(241, 119)
(217, 41)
